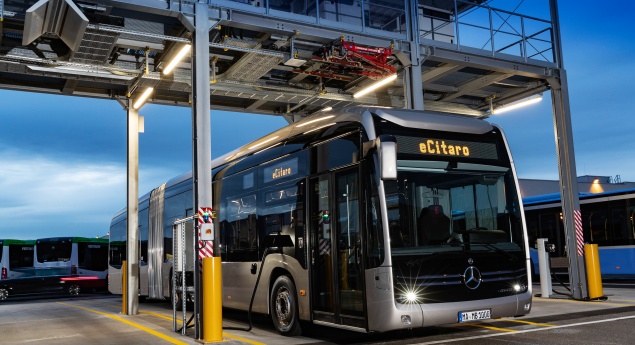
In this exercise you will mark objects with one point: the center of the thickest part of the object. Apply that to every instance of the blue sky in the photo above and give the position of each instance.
(63, 159)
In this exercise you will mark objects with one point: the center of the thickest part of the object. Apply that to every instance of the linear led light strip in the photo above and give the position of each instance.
(375, 86)
(520, 104)
(179, 56)
(143, 98)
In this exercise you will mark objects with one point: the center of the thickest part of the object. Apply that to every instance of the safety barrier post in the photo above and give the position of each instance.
(124, 288)
(212, 300)
(594, 277)
(543, 266)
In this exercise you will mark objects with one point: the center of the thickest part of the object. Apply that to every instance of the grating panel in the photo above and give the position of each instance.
(253, 66)
(244, 43)
(95, 47)
(143, 26)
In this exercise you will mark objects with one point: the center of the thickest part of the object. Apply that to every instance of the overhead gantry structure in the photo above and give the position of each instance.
(281, 57)
(293, 58)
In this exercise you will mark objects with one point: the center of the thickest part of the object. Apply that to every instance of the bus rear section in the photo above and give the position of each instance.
(16, 258)
(81, 261)
(53, 256)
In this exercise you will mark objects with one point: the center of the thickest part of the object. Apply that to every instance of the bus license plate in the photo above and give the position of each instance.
(465, 316)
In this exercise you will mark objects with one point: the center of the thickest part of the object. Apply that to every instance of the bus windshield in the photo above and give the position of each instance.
(48, 251)
(437, 206)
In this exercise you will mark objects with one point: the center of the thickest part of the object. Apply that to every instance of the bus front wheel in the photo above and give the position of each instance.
(4, 294)
(284, 307)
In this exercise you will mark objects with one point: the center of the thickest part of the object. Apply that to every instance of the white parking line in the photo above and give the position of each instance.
(526, 331)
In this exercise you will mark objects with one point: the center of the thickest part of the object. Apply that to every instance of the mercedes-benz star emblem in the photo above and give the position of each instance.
(472, 277)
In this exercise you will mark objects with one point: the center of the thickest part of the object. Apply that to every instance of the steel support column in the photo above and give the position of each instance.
(566, 167)
(569, 187)
(132, 239)
(202, 136)
(412, 74)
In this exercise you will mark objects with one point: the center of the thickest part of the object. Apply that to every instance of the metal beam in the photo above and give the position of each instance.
(464, 59)
(433, 74)
(69, 86)
(260, 23)
(440, 88)
(476, 84)
(255, 105)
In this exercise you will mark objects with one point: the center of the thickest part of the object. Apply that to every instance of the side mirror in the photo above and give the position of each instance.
(387, 150)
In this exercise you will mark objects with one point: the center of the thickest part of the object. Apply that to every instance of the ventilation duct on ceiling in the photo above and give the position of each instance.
(59, 17)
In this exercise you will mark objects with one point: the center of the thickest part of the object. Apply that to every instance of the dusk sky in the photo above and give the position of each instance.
(63, 159)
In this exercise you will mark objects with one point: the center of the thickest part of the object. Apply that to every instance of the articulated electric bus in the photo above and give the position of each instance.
(398, 219)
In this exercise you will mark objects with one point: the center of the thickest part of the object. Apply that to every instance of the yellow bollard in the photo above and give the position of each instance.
(124, 288)
(212, 300)
(594, 277)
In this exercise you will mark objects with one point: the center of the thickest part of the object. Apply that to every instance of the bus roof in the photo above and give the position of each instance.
(408, 118)
(6, 242)
(73, 239)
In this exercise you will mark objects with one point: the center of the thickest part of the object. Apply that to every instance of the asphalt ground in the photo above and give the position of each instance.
(95, 318)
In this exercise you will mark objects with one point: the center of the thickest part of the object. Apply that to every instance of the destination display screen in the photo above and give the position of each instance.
(280, 170)
(439, 147)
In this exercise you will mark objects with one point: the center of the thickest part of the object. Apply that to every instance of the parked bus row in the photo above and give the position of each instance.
(51, 264)
(393, 219)
(607, 220)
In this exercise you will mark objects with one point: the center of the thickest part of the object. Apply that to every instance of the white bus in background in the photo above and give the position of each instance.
(66, 256)
(16, 258)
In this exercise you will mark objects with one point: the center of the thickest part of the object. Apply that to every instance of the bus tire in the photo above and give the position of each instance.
(284, 307)
(4, 294)
(73, 290)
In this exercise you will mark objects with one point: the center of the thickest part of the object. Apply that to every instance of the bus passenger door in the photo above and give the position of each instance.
(336, 265)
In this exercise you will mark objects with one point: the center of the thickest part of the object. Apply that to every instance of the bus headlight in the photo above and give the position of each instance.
(405, 294)
(409, 297)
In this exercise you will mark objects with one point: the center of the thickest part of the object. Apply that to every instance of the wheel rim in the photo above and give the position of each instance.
(3, 294)
(284, 308)
(73, 290)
